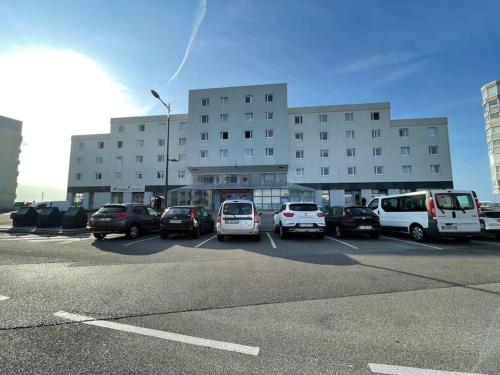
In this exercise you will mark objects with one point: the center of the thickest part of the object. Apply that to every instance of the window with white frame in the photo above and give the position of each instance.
(299, 136)
(323, 136)
(100, 144)
(248, 152)
(204, 102)
(141, 127)
(349, 134)
(269, 98)
(269, 133)
(248, 116)
(299, 172)
(248, 99)
(493, 104)
(404, 151)
(78, 176)
(224, 134)
(162, 126)
(181, 174)
(351, 171)
(377, 151)
(119, 144)
(248, 134)
(118, 175)
(181, 158)
(182, 125)
(223, 153)
(325, 171)
(269, 151)
(160, 174)
(224, 117)
(224, 100)
(204, 119)
(435, 169)
(119, 160)
(378, 170)
(323, 153)
(351, 152)
(299, 154)
(121, 129)
(161, 142)
(403, 132)
(269, 115)
(140, 143)
(160, 158)
(406, 169)
(139, 175)
(323, 118)
(98, 176)
(182, 141)
(79, 161)
(204, 136)
(349, 116)
(376, 133)
(99, 160)
(433, 150)
(139, 158)
(375, 116)
(203, 154)
(432, 131)
(298, 119)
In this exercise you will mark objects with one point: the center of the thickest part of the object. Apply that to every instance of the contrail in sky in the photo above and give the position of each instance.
(200, 15)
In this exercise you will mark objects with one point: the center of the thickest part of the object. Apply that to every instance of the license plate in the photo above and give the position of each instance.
(104, 219)
(365, 227)
(175, 221)
(449, 227)
(231, 221)
(306, 225)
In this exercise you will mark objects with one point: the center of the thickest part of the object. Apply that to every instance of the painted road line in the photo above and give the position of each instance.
(412, 243)
(204, 242)
(3, 298)
(75, 240)
(198, 341)
(342, 242)
(46, 240)
(19, 238)
(401, 370)
(145, 239)
(273, 244)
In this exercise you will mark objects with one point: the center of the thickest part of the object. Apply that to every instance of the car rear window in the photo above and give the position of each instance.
(237, 209)
(303, 207)
(112, 209)
(178, 211)
(455, 201)
(359, 211)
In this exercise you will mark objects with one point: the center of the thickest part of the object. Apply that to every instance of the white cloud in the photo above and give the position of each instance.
(378, 60)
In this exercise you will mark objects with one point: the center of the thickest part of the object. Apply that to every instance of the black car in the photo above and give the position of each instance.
(131, 219)
(190, 220)
(352, 220)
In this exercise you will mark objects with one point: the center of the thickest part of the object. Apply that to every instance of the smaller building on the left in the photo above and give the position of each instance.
(10, 148)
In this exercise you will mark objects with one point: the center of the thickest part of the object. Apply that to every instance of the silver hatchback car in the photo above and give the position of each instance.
(238, 218)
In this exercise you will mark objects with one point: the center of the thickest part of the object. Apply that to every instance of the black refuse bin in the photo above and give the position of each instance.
(24, 217)
(74, 217)
(49, 217)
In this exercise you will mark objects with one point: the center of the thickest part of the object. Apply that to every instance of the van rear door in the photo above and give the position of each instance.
(237, 216)
(456, 212)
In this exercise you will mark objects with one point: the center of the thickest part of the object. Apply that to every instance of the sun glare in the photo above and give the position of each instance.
(56, 93)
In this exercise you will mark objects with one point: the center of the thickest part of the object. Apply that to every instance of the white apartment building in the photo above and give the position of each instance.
(490, 93)
(10, 147)
(245, 142)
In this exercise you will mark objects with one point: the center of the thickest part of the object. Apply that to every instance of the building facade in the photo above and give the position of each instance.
(10, 148)
(245, 142)
(492, 126)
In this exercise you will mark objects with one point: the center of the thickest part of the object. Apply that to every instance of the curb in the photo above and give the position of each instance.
(33, 230)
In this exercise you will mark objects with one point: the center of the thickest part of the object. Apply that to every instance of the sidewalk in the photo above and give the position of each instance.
(36, 230)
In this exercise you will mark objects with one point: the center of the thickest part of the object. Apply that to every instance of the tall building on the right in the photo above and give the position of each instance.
(491, 109)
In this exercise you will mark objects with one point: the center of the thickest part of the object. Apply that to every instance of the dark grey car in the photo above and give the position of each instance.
(131, 219)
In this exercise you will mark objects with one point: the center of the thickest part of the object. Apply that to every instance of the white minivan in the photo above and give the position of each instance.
(238, 218)
(430, 213)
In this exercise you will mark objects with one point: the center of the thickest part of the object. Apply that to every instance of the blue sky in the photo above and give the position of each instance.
(428, 58)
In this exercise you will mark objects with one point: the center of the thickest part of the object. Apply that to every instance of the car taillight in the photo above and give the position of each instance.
(347, 218)
(256, 217)
(288, 214)
(478, 206)
(376, 218)
(121, 215)
(217, 220)
(432, 209)
(321, 214)
(192, 214)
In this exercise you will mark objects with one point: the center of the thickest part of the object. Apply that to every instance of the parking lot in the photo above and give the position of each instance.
(72, 304)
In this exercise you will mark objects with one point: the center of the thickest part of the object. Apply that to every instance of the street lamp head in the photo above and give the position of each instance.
(155, 94)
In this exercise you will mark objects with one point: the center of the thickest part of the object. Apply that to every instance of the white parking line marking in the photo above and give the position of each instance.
(273, 244)
(342, 242)
(204, 242)
(3, 298)
(145, 239)
(401, 370)
(412, 243)
(198, 341)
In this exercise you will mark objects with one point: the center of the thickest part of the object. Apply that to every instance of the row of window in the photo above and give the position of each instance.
(248, 116)
(490, 91)
(492, 117)
(348, 116)
(378, 170)
(181, 174)
(377, 151)
(224, 100)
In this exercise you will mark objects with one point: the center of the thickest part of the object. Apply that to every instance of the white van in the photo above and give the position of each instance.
(430, 213)
(238, 218)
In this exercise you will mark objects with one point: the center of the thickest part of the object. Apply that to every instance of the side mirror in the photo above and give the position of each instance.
(275, 212)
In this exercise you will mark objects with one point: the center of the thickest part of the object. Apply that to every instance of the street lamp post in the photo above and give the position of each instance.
(167, 159)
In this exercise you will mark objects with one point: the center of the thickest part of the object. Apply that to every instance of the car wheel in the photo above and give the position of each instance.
(133, 231)
(196, 232)
(220, 238)
(99, 236)
(163, 234)
(256, 237)
(338, 231)
(375, 235)
(276, 228)
(283, 233)
(417, 233)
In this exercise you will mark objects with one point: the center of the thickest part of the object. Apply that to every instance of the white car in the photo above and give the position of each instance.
(490, 222)
(299, 217)
(238, 218)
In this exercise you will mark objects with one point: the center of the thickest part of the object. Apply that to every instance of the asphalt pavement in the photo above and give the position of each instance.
(75, 305)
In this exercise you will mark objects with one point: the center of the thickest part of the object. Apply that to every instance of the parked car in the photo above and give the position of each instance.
(430, 213)
(299, 217)
(490, 222)
(352, 220)
(238, 218)
(131, 219)
(190, 220)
